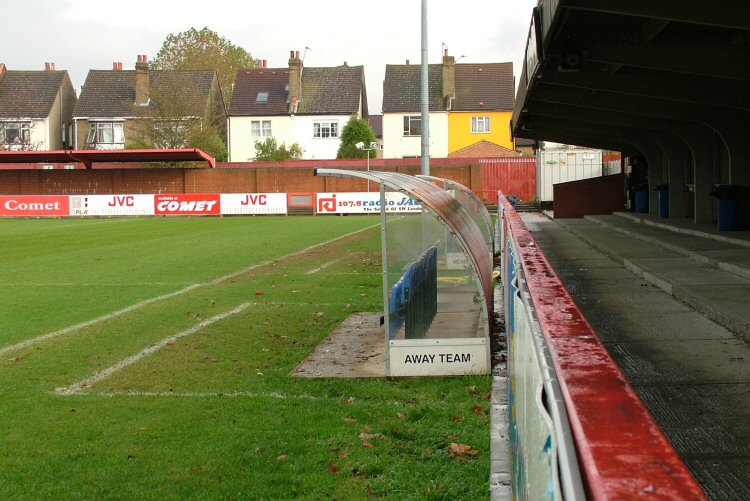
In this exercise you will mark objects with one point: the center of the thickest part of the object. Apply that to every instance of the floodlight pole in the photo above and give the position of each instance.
(425, 96)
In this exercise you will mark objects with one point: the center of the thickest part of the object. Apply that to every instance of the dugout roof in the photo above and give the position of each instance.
(447, 209)
(89, 157)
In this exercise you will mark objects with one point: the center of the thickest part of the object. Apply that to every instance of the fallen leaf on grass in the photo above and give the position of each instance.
(195, 469)
(343, 454)
(370, 493)
(461, 450)
(401, 415)
(350, 420)
(333, 468)
(456, 419)
(478, 409)
(282, 457)
(366, 437)
(260, 293)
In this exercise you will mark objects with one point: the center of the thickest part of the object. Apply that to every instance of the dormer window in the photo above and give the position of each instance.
(262, 97)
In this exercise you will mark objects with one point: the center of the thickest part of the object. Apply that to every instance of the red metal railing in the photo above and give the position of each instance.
(622, 452)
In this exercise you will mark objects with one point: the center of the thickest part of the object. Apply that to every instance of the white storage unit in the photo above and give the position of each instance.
(563, 165)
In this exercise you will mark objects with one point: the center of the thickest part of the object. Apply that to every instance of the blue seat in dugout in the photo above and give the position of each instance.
(396, 308)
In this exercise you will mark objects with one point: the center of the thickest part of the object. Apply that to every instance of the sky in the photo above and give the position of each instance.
(80, 35)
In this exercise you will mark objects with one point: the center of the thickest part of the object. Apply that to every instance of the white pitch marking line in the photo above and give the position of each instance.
(66, 330)
(83, 325)
(105, 373)
(207, 394)
(323, 266)
(287, 256)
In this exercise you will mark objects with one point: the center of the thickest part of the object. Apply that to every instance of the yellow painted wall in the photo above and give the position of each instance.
(460, 135)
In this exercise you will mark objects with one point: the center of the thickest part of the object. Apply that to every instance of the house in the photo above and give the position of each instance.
(484, 149)
(402, 121)
(468, 104)
(307, 106)
(147, 108)
(36, 109)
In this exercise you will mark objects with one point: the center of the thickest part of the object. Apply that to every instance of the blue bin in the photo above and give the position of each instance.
(726, 213)
(663, 200)
(641, 201)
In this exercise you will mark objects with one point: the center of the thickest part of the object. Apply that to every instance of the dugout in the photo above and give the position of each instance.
(437, 278)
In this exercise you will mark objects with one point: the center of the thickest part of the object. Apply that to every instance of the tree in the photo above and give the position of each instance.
(177, 117)
(270, 151)
(356, 130)
(203, 50)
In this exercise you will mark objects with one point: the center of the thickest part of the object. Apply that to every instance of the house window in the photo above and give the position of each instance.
(412, 125)
(325, 129)
(260, 128)
(262, 97)
(107, 134)
(15, 134)
(480, 124)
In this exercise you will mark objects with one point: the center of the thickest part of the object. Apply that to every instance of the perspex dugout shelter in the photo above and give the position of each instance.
(437, 278)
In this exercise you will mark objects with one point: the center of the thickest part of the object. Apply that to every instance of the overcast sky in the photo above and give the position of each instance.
(79, 35)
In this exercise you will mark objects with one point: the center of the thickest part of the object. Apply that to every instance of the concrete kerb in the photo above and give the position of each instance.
(699, 299)
(703, 257)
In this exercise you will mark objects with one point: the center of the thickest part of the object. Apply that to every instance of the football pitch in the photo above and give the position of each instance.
(149, 358)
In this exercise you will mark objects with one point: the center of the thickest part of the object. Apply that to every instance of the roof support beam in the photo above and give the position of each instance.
(723, 93)
(726, 13)
(726, 61)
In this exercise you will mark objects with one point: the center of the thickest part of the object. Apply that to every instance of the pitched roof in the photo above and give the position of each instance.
(376, 124)
(111, 93)
(331, 91)
(484, 149)
(30, 94)
(490, 84)
(484, 87)
(402, 89)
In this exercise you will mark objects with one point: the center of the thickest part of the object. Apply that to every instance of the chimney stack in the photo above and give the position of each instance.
(117, 66)
(2, 70)
(449, 77)
(407, 62)
(295, 81)
(141, 81)
(46, 66)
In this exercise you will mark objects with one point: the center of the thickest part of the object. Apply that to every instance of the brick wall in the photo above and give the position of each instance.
(283, 177)
(599, 195)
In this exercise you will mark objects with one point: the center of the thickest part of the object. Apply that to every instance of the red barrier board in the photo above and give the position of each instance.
(34, 205)
(187, 204)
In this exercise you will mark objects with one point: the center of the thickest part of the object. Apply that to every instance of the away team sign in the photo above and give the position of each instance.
(365, 203)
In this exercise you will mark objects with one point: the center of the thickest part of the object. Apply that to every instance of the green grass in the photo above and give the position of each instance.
(214, 415)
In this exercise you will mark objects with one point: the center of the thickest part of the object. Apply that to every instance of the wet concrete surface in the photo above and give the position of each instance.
(692, 373)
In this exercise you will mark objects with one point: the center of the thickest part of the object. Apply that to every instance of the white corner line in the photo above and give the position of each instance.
(38, 339)
(323, 266)
(83, 325)
(202, 394)
(105, 373)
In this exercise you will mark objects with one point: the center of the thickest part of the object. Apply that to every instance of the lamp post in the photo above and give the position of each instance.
(373, 146)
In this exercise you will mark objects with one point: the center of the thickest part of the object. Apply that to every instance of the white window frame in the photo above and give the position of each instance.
(98, 133)
(260, 128)
(326, 129)
(22, 137)
(481, 125)
(409, 121)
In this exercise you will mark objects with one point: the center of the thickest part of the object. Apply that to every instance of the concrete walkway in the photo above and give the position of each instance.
(673, 308)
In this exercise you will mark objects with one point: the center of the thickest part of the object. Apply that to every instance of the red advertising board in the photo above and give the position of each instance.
(187, 204)
(34, 205)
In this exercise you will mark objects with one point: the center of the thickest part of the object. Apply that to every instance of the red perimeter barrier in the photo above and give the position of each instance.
(622, 452)
(512, 176)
